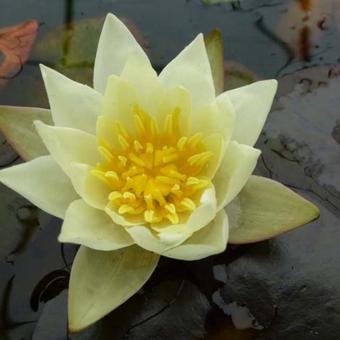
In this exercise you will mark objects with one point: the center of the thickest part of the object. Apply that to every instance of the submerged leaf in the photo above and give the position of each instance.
(266, 208)
(16, 123)
(214, 45)
(103, 280)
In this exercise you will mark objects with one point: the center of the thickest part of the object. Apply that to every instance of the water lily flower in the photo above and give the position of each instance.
(144, 165)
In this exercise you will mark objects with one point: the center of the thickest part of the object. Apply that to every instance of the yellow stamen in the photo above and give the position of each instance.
(123, 142)
(157, 175)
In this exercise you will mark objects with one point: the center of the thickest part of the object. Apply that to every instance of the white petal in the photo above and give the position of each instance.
(252, 104)
(176, 98)
(67, 145)
(160, 238)
(138, 86)
(102, 280)
(148, 239)
(92, 228)
(144, 79)
(191, 69)
(119, 101)
(120, 219)
(116, 45)
(90, 188)
(43, 183)
(200, 217)
(215, 144)
(216, 117)
(237, 165)
(208, 241)
(72, 104)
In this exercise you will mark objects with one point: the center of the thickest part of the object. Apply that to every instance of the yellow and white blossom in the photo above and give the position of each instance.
(141, 165)
(153, 158)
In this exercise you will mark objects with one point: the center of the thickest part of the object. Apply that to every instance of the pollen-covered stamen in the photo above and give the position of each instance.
(154, 173)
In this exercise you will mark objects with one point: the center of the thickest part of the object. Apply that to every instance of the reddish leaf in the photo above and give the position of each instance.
(15, 46)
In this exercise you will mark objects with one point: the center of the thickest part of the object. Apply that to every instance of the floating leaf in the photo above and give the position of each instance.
(103, 280)
(52, 322)
(15, 47)
(16, 123)
(72, 50)
(214, 45)
(266, 208)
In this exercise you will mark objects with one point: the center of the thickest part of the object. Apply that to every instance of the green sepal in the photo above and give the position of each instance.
(264, 209)
(16, 123)
(215, 50)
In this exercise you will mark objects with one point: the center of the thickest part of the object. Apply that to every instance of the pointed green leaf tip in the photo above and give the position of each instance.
(214, 46)
(16, 123)
(266, 208)
(103, 280)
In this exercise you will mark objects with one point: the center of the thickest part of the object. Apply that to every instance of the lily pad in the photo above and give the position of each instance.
(281, 284)
(306, 157)
(52, 324)
(172, 309)
(71, 49)
(18, 219)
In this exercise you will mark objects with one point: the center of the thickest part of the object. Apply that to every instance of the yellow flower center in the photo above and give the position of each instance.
(153, 173)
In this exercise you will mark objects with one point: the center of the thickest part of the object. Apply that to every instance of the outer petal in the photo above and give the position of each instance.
(191, 69)
(68, 145)
(101, 281)
(43, 183)
(72, 104)
(208, 241)
(92, 228)
(237, 165)
(252, 104)
(116, 45)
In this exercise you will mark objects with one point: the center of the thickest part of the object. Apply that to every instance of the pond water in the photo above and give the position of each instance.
(285, 288)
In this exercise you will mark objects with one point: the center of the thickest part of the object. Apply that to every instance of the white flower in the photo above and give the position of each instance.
(142, 159)
(153, 158)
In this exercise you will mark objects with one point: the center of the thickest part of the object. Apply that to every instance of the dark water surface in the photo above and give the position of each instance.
(285, 288)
